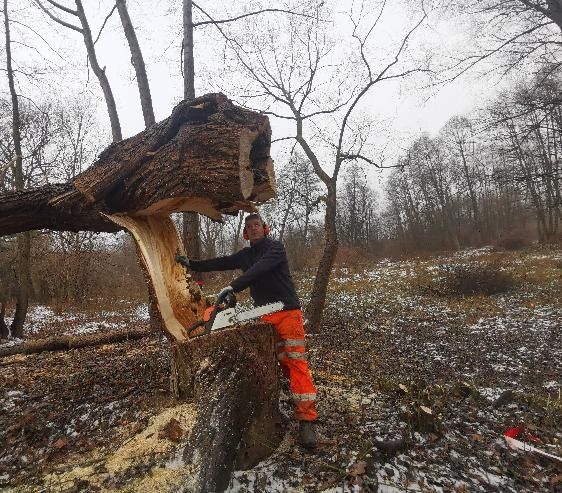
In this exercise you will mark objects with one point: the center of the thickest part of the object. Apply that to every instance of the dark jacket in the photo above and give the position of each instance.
(266, 272)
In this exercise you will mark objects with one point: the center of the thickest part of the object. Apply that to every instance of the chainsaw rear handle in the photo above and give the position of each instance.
(230, 302)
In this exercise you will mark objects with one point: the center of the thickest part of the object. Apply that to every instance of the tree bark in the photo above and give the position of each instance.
(233, 377)
(209, 156)
(317, 301)
(138, 63)
(63, 343)
(24, 239)
(32, 209)
(100, 73)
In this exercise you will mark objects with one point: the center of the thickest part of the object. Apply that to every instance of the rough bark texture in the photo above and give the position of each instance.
(31, 209)
(209, 157)
(73, 342)
(233, 377)
(138, 63)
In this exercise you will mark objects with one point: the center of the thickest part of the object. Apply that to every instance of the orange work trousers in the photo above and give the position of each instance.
(291, 354)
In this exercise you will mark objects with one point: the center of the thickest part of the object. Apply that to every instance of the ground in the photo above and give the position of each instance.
(416, 389)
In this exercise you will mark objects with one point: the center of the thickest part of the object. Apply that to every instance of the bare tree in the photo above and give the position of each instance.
(357, 216)
(24, 239)
(459, 137)
(92, 57)
(287, 76)
(191, 219)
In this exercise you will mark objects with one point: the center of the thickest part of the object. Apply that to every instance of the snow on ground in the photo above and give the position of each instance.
(42, 321)
(389, 348)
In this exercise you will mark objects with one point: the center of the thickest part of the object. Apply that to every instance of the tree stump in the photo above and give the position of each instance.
(233, 377)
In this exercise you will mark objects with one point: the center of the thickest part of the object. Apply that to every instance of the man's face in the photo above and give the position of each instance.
(254, 229)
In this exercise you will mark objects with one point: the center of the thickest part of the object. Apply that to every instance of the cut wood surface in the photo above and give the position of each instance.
(177, 301)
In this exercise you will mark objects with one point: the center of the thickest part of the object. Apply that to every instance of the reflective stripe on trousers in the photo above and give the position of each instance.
(291, 353)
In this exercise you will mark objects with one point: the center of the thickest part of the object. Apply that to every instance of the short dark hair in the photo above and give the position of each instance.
(254, 215)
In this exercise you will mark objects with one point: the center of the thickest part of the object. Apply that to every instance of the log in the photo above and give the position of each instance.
(233, 377)
(209, 156)
(64, 343)
(31, 209)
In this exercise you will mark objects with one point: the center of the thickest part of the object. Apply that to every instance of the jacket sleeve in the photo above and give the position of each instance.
(271, 259)
(230, 262)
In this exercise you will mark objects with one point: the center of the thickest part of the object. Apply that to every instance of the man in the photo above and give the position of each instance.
(266, 273)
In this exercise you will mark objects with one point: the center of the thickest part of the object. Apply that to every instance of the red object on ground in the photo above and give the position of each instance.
(516, 431)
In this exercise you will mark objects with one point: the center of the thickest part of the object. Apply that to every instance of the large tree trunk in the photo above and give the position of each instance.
(233, 377)
(317, 301)
(210, 157)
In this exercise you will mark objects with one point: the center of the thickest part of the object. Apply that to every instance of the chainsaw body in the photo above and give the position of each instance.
(223, 314)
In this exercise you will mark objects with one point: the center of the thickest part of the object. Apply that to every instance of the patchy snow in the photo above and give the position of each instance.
(386, 348)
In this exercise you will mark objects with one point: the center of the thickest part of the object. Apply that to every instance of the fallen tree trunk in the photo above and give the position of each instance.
(60, 343)
(233, 376)
(209, 157)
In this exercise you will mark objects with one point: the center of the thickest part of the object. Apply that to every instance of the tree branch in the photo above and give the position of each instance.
(63, 8)
(105, 22)
(242, 16)
(355, 157)
(55, 18)
(372, 82)
(496, 50)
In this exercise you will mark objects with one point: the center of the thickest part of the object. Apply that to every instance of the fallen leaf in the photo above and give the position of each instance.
(60, 443)
(358, 468)
(172, 431)
(476, 437)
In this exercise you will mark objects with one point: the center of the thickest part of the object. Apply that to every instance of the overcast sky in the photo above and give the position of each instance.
(404, 108)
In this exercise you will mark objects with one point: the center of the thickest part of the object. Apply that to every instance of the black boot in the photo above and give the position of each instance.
(307, 434)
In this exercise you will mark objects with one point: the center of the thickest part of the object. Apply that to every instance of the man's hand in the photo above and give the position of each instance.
(180, 259)
(225, 291)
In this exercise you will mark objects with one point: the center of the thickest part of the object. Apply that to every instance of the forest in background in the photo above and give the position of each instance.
(491, 177)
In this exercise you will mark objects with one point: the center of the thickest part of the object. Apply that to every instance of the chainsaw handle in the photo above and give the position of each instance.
(230, 300)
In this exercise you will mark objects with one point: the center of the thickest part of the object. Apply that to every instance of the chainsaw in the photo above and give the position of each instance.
(223, 314)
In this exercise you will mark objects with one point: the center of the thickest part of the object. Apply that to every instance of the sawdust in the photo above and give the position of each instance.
(137, 452)
(147, 442)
